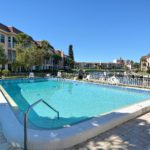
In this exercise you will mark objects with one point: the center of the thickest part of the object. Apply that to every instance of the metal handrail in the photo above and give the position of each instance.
(26, 120)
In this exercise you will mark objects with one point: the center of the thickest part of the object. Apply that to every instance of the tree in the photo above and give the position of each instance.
(68, 62)
(25, 51)
(56, 58)
(30, 53)
(15, 65)
(71, 56)
(23, 39)
(3, 59)
(71, 53)
(46, 49)
(25, 56)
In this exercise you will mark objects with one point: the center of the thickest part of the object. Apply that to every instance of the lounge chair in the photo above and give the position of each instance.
(59, 75)
(113, 80)
(48, 75)
(31, 75)
(88, 77)
(75, 78)
(3, 77)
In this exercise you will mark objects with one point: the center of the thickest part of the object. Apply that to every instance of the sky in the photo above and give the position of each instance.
(99, 30)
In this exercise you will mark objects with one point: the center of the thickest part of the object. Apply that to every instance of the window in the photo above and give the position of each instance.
(9, 55)
(2, 38)
(14, 42)
(9, 42)
(9, 39)
(13, 55)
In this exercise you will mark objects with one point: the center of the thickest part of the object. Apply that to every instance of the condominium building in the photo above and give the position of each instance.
(116, 64)
(98, 65)
(124, 63)
(145, 62)
(7, 39)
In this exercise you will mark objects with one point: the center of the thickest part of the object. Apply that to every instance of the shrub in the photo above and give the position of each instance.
(81, 74)
(5, 72)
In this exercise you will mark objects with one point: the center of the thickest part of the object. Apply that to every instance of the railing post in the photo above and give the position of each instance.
(25, 131)
(26, 120)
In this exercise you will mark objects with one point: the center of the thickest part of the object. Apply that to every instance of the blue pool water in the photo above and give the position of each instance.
(75, 101)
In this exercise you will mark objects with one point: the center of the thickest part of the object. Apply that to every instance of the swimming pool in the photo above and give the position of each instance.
(75, 101)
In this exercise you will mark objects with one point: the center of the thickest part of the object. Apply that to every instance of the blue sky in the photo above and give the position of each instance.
(100, 30)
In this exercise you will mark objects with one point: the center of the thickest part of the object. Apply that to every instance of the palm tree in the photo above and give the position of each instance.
(23, 39)
(44, 52)
(56, 58)
(25, 51)
(47, 49)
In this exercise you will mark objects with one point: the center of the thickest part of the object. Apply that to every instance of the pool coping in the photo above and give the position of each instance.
(69, 136)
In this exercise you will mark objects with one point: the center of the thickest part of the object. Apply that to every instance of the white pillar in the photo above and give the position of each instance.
(11, 42)
(6, 50)
(6, 66)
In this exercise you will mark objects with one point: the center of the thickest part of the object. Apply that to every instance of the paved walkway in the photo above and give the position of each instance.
(3, 142)
(133, 135)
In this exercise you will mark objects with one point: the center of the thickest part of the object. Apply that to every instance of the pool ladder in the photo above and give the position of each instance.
(26, 120)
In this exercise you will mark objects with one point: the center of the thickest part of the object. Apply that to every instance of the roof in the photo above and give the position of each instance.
(4, 28)
(9, 29)
(57, 52)
(14, 30)
(147, 56)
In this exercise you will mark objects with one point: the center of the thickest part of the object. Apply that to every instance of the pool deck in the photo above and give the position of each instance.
(132, 135)
(4, 145)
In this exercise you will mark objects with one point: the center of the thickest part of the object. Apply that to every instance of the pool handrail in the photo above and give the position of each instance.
(26, 119)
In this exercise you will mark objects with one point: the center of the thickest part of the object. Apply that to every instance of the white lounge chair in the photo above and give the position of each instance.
(59, 74)
(88, 77)
(31, 75)
(48, 75)
(3, 77)
(75, 78)
(113, 80)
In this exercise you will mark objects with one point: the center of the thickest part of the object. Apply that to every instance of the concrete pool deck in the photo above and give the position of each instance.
(133, 135)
